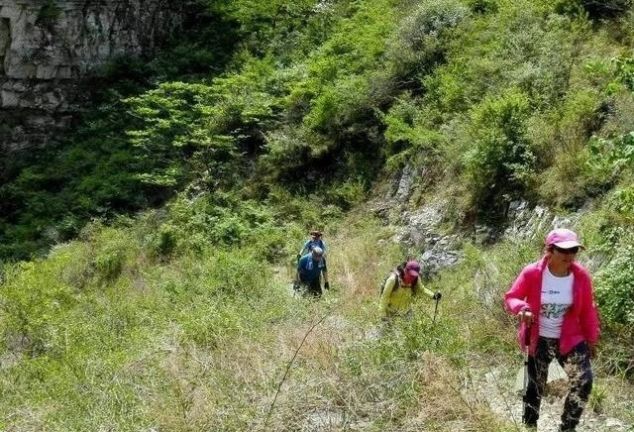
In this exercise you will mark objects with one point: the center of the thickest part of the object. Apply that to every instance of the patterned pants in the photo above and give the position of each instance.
(576, 364)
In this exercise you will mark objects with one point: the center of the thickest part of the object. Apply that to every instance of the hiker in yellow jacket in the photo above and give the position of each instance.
(400, 287)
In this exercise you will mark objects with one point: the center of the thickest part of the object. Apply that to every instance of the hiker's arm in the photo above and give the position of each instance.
(324, 272)
(422, 288)
(514, 299)
(390, 282)
(589, 317)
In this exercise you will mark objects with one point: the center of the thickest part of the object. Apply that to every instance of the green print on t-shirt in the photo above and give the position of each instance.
(553, 311)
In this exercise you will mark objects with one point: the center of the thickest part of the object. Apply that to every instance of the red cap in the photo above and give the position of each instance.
(412, 268)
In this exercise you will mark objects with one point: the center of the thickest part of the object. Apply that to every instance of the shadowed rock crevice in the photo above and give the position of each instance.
(5, 41)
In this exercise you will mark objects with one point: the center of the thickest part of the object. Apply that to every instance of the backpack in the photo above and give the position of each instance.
(396, 286)
(398, 271)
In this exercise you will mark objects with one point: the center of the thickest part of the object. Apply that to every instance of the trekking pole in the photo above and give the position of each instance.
(527, 343)
(435, 312)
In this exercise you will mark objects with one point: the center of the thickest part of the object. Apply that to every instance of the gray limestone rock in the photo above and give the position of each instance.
(47, 47)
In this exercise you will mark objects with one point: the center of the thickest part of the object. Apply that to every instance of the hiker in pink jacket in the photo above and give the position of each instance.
(554, 300)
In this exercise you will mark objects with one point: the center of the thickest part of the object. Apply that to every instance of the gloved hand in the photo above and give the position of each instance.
(327, 285)
(437, 296)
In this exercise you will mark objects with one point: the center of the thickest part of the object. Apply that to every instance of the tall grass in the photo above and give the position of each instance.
(213, 339)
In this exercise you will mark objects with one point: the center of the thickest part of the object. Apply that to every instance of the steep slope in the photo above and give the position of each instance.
(157, 242)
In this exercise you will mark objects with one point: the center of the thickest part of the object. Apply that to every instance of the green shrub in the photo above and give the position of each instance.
(310, 211)
(615, 282)
(499, 165)
(164, 242)
(483, 6)
(273, 26)
(420, 41)
(411, 136)
(612, 156)
(622, 203)
(615, 240)
(113, 247)
(213, 221)
(340, 105)
(625, 71)
(31, 316)
(345, 195)
(574, 170)
(344, 79)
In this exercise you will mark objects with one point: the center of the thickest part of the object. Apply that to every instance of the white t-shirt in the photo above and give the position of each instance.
(556, 300)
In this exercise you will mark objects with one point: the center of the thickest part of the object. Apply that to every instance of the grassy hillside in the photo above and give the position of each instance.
(146, 261)
(109, 336)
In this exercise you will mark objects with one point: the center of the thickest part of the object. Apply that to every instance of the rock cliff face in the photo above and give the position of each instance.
(48, 46)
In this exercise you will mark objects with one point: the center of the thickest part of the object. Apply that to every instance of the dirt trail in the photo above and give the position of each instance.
(495, 388)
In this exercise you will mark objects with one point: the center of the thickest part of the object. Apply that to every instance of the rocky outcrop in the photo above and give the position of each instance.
(48, 46)
(421, 231)
(425, 233)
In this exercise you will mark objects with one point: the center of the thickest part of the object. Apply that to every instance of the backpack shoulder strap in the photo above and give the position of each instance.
(397, 280)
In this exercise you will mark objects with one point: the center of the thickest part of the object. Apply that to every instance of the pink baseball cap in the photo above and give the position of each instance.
(413, 268)
(562, 238)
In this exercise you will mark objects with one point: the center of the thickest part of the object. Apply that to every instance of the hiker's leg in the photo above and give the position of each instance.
(537, 376)
(314, 287)
(302, 287)
(577, 365)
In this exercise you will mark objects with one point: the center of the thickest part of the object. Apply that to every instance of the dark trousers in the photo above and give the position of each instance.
(312, 287)
(577, 366)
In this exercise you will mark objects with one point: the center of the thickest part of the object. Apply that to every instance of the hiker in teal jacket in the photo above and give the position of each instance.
(314, 241)
(310, 268)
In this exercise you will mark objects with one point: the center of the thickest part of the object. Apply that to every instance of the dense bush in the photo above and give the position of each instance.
(614, 294)
(615, 285)
(614, 290)
(612, 157)
(421, 39)
(411, 136)
(501, 161)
